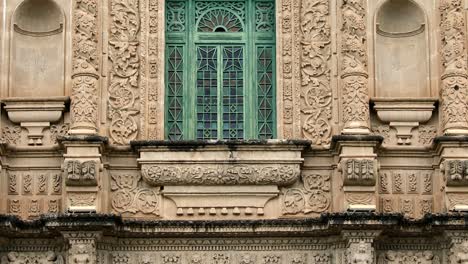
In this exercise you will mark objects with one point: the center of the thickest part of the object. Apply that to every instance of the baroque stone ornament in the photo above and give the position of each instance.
(316, 93)
(123, 101)
(82, 247)
(57, 131)
(128, 197)
(313, 197)
(280, 175)
(354, 76)
(85, 75)
(11, 134)
(81, 173)
(454, 79)
(359, 172)
(153, 63)
(427, 133)
(48, 257)
(456, 172)
(407, 257)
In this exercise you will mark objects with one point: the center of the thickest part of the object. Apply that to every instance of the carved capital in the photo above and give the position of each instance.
(359, 171)
(81, 173)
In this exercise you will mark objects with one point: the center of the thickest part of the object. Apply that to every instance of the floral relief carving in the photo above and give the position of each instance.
(219, 175)
(407, 257)
(57, 131)
(48, 257)
(427, 133)
(355, 98)
(454, 90)
(128, 197)
(123, 102)
(85, 64)
(154, 70)
(384, 131)
(81, 173)
(315, 71)
(11, 134)
(313, 197)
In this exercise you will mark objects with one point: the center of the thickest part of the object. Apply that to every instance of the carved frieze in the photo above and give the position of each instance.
(129, 197)
(86, 61)
(48, 257)
(316, 93)
(454, 86)
(81, 172)
(354, 75)
(222, 174)
(124, 95)
(359, 171)
(409, 257)
(312, 197)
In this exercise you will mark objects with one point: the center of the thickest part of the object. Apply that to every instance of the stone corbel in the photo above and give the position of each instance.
(360, 246)
(81, 167)
(82, 246)
(358, 167)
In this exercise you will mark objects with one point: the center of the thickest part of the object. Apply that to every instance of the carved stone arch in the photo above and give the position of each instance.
(37, 52)
(401, 50)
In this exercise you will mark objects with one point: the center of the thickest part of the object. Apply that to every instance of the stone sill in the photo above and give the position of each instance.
(198, 144)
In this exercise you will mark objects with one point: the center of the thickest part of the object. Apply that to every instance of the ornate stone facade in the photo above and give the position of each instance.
(367, 162)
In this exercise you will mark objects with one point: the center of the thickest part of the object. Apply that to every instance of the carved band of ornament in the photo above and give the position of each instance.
(400, 34)
(124, 85)
(359, 171)
(280, 175)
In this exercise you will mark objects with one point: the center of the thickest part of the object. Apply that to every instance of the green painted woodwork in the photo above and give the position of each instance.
(220, 69)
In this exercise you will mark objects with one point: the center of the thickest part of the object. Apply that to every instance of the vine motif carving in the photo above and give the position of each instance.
(384, 131)
(314, 197)
(315, 71)
(123, 102)
(12, 183)
(354, 64)
(219, 175)
(57, 131)
(11, 134)
(427, 134)
(82, 199)
(128, 197)
(454, 91)
(27, 183)
(85, 64)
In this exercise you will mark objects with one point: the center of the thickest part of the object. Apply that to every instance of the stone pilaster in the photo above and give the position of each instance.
(360, 246)
(82, 246)
(354, 73)
(85, 74)
(358, 168)
(82, 168)
(454, 79)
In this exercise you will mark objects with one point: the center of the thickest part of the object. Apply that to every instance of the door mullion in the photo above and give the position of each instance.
(220, 91)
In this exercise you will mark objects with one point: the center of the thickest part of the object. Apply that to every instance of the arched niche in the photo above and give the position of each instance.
(37, 50)
(401, 50)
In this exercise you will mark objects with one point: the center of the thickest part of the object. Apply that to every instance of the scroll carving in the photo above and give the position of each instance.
(123, 101)
(128, 197)
(85, 84)
(315, 71)
(355, 98)
(313, 197)
(220, 175)
(454, 90)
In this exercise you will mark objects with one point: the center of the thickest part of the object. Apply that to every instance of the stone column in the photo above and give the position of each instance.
(360, 248)
(85, 74)
(454, 79)
(82, 247)
(354, 75)
(457, 252)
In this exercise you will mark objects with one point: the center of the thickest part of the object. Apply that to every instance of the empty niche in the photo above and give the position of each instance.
(37, 50)
(401, 58)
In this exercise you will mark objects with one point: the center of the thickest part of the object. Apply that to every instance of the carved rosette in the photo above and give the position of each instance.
(454, 90)
(85, 77)
(354, 75)
(124, 94)
(316, 94)
(160, 175)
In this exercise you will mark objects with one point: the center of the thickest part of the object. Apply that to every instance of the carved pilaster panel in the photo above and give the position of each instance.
(316, 92)
(454, 79)
(354, 73)
(123, 90)
(85, 75)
